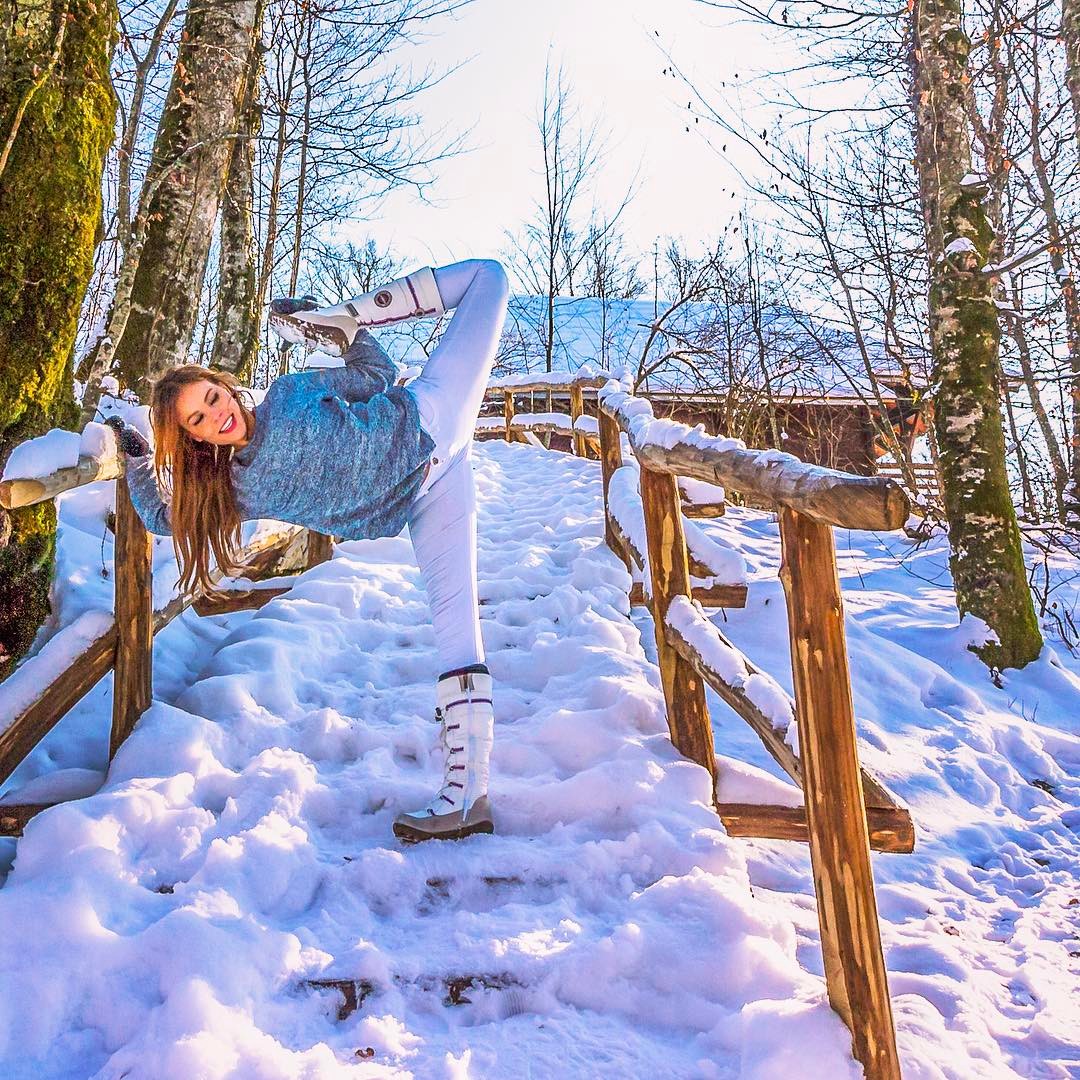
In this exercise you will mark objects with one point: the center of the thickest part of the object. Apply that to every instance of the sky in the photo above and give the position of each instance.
(613, 55)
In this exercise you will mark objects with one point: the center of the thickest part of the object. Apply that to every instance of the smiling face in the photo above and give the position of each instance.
(209, 413)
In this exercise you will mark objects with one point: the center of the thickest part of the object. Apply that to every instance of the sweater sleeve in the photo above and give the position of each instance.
(145, 495)
(367, 371)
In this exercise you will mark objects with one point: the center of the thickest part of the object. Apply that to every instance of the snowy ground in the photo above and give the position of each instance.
(166, 926)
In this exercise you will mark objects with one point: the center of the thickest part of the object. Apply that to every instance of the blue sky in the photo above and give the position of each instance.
(614, 60)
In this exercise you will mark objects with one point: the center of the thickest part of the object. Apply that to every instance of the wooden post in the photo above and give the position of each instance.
(133, 605)
(508, 412)
(684, 692)
(320, 548)
(577, 409)
(610, 460)
(839, 840)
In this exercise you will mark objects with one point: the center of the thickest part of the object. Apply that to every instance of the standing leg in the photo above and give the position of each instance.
(442, 525)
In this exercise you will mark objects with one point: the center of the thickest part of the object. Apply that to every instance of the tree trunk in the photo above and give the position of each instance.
(131, 129)
(281, 143)
(987, 560)
(191, 153)
(1070, 35)
(236, 338)
(1016, 330)
(50, 215)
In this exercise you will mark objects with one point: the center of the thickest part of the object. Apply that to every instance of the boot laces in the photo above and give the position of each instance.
(446, 798)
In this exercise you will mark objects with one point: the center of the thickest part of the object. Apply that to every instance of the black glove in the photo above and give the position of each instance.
(289, 305)
(130, 439)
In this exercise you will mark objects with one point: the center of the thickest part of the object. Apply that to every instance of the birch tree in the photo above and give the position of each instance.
(191, 153)
(1070, 36)
(339, 127)
(986, 557)
(236, 337)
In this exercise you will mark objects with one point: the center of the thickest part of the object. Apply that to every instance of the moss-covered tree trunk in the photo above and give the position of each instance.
(57, 102)
(987, 560)
(236, 337)
(191, 153)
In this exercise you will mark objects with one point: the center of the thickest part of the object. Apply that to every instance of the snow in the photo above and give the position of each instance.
(760, 688)
(559, 420)
(699, 491)
(59, 449)
(624, 499)
(646, 430)
(960, 245)
(240, 844)
(56, 449)
(554, 379)
(97, 442)
(810, 356)
(24, 686)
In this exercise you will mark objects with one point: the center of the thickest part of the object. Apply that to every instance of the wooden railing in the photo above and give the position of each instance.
(699, 501)
(846, 809)
(580, 427)
(44, 687)
(927, 481)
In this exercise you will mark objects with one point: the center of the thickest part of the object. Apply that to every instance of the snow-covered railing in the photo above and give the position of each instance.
(812, 736)
(44, 687)
(570, 384)
(701, 499)
(718, 574)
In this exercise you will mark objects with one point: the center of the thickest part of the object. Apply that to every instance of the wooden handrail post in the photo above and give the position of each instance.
(133, 607)
(577, 409)
(508, 412)
(320, 548)
(839, 838)
(610, 460)
(669, 573)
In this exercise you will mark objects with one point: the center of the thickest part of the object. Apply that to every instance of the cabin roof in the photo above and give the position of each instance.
(707, 349)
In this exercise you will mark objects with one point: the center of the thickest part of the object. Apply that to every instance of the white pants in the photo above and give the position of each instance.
(449, 392)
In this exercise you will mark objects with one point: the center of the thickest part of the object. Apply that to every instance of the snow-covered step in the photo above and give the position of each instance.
(241, 846)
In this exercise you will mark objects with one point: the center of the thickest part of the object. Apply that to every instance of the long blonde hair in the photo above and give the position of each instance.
(197, 476)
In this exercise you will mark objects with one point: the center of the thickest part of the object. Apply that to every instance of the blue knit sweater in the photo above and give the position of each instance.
(337, 450)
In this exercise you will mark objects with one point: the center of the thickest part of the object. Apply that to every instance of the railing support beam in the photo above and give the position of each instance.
(669, 573)
(610, 462)
(839, 839)
(133, 607)
(577, 410)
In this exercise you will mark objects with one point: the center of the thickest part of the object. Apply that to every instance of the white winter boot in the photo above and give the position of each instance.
(332, 329)
(461, 806)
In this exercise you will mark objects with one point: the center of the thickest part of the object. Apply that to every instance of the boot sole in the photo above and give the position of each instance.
(415, 836)
(329, 339)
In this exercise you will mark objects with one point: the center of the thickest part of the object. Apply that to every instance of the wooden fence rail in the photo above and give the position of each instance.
(124, 644)
(845, 808)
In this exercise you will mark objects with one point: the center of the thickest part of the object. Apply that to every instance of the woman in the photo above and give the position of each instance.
(347, 453)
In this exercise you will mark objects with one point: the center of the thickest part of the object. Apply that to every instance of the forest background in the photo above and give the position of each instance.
(899, 182)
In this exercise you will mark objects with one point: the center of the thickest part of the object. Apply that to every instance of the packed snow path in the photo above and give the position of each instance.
(171, 925)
